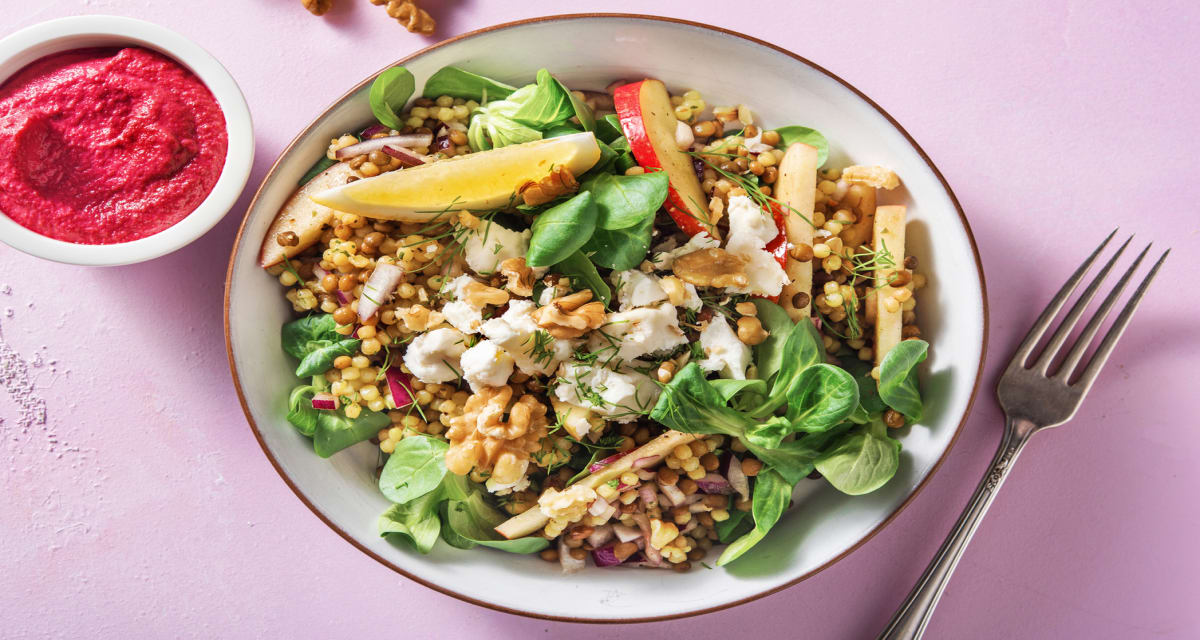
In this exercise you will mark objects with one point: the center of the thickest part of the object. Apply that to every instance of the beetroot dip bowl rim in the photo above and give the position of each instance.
(65, 34)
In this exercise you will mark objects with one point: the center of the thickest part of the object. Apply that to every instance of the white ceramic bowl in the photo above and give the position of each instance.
(40, 40)
(824, 525)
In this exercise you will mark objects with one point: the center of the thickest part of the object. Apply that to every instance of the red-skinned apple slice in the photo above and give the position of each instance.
(648, 120)
(302, 216)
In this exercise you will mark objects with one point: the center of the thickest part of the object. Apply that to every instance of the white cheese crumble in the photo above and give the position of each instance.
(637, 289)
(723, 351)
(666, 259)
(638, 332)
(622, 396)
(461, 315)
(434, 356)
(489, 245)
(750, 229)
(511, 487)
(515, 330)
(486, 365)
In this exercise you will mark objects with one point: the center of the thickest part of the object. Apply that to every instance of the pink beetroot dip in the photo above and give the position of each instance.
(107, 145)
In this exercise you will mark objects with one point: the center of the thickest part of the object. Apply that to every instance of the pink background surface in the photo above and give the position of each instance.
(142, 506)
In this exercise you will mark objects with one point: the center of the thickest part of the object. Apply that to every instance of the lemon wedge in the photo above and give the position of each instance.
(482, 180)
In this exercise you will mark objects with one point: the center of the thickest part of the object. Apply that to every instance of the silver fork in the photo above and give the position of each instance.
(1033, 399)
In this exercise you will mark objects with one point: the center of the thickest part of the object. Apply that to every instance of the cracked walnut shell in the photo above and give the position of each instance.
(712, 267)
(480, 439)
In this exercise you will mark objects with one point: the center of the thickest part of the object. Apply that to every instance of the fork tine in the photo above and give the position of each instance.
(1068, 324)
(1093, 325)
(1114, 332)
(1043, 322)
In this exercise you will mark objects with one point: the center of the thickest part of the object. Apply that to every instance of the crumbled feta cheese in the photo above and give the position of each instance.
(638, 332)
(691, 299)
(486, 365)
(461, 315)
(724, 351)
(511, 487)
(754, 144)
(637, 289)
(489, 245)
(515, 331)
(622, 396)
(666, 259)
(434, 357)
(546, 296)
(751, 228)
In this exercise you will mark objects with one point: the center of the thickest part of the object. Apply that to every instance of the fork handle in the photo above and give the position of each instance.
(910, 620)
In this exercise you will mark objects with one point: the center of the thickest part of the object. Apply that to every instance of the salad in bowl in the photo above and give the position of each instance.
(620, 325)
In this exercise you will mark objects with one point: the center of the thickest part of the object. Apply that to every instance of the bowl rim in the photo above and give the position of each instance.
(239, 129)
(632, 16)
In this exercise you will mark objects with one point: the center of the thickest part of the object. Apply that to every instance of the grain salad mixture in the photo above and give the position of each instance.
(615, 324)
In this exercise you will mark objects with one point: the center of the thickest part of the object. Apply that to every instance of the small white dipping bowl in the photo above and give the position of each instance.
(589, 52)
(27, 45)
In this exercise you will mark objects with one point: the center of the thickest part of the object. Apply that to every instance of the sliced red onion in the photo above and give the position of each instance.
(596, 466)
(400, 386)
(648, 494)
(374, 129)
(646, 462)
(598, 506)
(319, 272)
(626, 534)
(407, 158)
(569, 564)
(713, 483)
(607, 515)
(606, 556)
(600, 536)
(409, 140)
(441, 139)
(325, 402)
(737, 478)
(672, 493)
(342, 297)
(378, 288)
(645, 474)
(653, 556)
(643, 522)
(695, 498)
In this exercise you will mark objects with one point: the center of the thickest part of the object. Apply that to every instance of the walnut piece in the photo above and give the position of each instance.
(520, 277)
(480, 439)
(420, 318)
(568, 504)
(873, 176)
(479, 295)
(414, 18)
(712, 267)
(317, 7)
(559, 182)
(570, 316)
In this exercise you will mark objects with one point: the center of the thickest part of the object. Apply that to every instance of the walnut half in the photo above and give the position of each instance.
(520, 277)
(712, 267)
(559, 182)
(570, 316)
(482, 440)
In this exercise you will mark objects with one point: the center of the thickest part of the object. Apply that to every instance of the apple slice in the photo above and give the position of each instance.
(796, 187)
(649, 122)
(889, 235)
(302, 216)
(482, 180)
